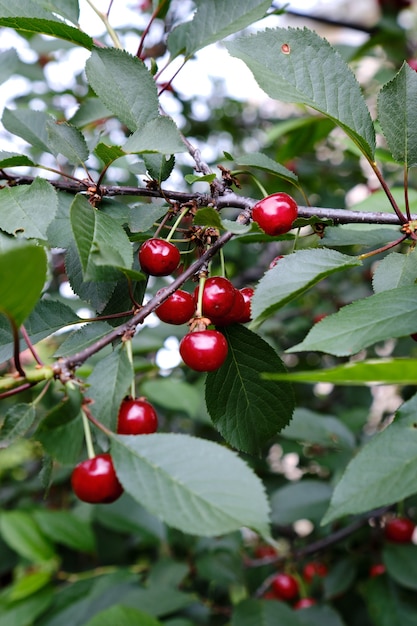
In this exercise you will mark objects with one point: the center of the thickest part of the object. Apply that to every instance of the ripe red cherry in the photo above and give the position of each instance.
(236, 313)
(136, 417)
(247, 293)
(158, 257)
(413, 64)
(304, 603)
(264, 551)
(177, 309)
(377, 569)
(275, 214)
(275, 260)
(218, 296)
(204, 350)
(399, 530)
(314, 569)
(95, 481)
(285, 587)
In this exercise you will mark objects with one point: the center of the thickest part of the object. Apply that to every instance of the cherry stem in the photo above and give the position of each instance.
(129, 352)
(30, 345)
(388, 193)
(16, 390)
(16, 349)
(201, 283)
(87, 434)
(406, 198)
(148, 26)
(388, 246)
(177, 223)
(222, 263)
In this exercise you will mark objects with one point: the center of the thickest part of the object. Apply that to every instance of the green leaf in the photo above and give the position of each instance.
(22, 277)
(294, 274)
(192, 178)
(21, 532)
(65, 528)
(9, 62)
(109, 383)
(296, 65)
(173, 394)
(124, 85)
(102, 243)
(67, 140)
(306, 499)
(50, 27)
(24, 612)
(401, 564)
(341, 576)
(356, 326)
(208, 216)
(29, 125)
(395, 270)
(389, 463)
(12, 159)
(192, 484)
(400, 371)
(398, 117)
(385, 605)
(159, 166)
(108, 154)
(30, 583)
(19, 418)
(67, 8)
(143, 216)
(213, 21)
(246, 410)
(264, 613)
(122, 616)
(61, 432)
(28, 209)
(82, 338)
(263, 162)
(325, 430)
(157, 135)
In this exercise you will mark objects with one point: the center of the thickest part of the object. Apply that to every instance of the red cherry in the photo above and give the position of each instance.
(399, 530)
(236, 313)
(275, 261)
(247, 293)
(95, 481)
(413, 64)
(158, 257)
(275, 214)
(204, 350)
(136, 417)
(304, 603)
(285, 587)
(377, 569)
(177, 309)
(263, 551)
(314, 569)
(218, 296)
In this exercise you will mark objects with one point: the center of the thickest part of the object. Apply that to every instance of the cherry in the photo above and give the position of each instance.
(204, 350)
(275, 214)
(136, 417)
(275, 261)
(314, 569)
(158, 257)
(285, 587)
(264, 550)
(304, 603)
(377, 569)
(399, 530)
(235, 315)
(413, 64)
(218, 296)
(177, 309)
(247, 293)
(95, 481)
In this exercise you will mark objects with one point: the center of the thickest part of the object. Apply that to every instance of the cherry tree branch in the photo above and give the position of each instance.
(229, 199)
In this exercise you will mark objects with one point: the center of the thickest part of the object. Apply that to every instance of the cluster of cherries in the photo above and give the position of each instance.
(204, 350)
(201, 349)
(286, 587)
(94, 480)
